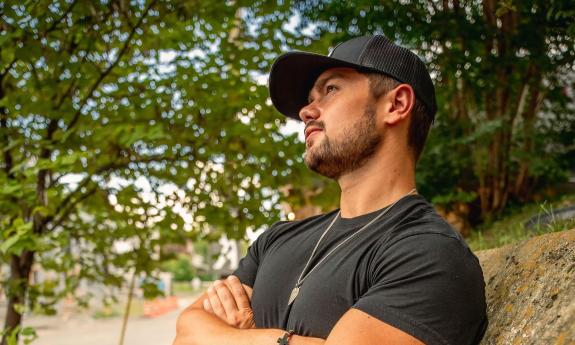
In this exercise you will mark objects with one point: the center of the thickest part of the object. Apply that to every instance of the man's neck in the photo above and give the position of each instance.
(377, 184)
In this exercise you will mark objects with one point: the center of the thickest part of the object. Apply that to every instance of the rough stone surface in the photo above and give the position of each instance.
(531, 291)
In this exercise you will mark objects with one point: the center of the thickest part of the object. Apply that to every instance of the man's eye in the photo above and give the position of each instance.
(330, 88)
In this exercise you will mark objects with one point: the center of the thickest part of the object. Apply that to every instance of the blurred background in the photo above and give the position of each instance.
(140, 154)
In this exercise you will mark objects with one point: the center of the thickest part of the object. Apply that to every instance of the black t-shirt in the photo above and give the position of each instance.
(409, 269)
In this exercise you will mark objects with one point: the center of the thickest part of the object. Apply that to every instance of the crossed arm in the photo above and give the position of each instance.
(223, 316)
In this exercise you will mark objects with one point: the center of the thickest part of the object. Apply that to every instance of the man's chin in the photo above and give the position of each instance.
(313, 156)
(310, 162)
(316, 165)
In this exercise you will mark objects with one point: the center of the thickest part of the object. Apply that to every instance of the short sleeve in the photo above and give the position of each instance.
(248, 266)
(429, 286)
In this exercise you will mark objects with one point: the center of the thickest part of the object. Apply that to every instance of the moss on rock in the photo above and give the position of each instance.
(531, 291)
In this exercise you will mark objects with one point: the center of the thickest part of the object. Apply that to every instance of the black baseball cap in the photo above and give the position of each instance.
(293, 74)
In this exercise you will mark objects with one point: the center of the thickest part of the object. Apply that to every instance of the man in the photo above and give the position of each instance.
(384, 268)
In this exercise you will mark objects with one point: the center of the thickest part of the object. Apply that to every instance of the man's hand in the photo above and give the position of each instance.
(227, 318)
(229, 301)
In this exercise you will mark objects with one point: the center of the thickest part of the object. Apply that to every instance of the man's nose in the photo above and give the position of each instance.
(309, 112)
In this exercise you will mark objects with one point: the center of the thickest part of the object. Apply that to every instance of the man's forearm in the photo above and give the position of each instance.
(197, 327)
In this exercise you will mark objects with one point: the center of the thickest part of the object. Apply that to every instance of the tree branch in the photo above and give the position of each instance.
(433, 6)
(109, 69)
(66, 94)
(65, 204)
(70, 207)
(7, 69)
(4, 126)
(39, 220)
(59, 20)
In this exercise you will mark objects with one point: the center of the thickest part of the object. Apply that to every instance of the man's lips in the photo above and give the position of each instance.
(309, 131)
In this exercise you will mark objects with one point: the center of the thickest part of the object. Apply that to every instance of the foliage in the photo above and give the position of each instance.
(186, 289)
(181, 268)
(511, 227)
(114, 308)
(26, 334)
(106, 313)
(127, 126)
(503, 71)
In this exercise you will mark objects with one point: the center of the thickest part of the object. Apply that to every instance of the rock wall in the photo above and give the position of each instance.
(531, 291)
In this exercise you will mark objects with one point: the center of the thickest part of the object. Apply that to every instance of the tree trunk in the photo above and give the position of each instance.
(20, 267)
(501, 104)
(523, 184)
(128, 307)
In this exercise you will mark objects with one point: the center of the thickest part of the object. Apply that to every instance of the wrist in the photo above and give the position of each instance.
(284, 340)
(262, 336)
(301, 340)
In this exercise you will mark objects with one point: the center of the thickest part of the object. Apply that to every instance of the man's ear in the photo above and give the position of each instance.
(398, 104)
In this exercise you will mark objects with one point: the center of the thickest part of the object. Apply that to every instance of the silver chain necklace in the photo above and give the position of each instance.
(301, 279)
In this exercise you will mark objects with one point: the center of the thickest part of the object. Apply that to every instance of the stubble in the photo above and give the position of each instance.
(335, 157)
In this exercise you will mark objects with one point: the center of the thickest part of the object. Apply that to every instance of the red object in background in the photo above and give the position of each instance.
(160, 306)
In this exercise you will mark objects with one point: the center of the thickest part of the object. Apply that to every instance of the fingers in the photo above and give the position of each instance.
(215, 303)
(238, 292)
(226, 298)
(229, 300)
(207, 306)
(249, 291)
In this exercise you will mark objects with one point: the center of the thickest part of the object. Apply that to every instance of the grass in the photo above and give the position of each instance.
(116, 310)
(183, 289)
(511, 228)
(107, 312)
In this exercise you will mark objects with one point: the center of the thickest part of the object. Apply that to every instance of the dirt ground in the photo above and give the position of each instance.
(85, 330)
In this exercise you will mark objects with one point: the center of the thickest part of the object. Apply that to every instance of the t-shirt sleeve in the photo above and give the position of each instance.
(248, 266)
(429, 286)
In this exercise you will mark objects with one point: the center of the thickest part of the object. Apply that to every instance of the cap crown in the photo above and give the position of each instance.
(293, 74)
(378, 54)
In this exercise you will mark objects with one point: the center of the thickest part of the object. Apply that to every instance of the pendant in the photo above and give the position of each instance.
(293, 295)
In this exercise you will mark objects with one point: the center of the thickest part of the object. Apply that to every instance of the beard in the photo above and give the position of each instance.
(334, 158)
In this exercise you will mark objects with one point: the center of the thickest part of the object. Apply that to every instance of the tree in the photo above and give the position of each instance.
(503, 71)
(95, 96)
(181, 268)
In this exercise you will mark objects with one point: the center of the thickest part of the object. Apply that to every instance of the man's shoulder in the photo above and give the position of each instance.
(423, 240)
(419, 218)
(420, 230)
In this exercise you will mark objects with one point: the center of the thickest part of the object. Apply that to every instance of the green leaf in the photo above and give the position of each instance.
(9, 243)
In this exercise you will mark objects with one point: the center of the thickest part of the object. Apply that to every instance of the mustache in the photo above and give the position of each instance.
(318, 124)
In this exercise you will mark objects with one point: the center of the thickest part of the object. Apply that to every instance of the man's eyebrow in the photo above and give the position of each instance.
(320, 83)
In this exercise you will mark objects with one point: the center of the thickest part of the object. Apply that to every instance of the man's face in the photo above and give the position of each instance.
(340, 119)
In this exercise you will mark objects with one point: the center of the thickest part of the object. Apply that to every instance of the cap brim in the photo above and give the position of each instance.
(292, 76)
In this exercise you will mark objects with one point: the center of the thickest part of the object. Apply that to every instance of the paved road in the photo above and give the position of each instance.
(84, 330)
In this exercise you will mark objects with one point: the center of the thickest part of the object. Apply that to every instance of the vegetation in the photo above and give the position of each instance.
(114, 115)
(186, 289)
(181, 268)
(512, 225)
(503, 72)
(128, 126)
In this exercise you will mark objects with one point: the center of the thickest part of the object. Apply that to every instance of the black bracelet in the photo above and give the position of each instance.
(285, 339)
